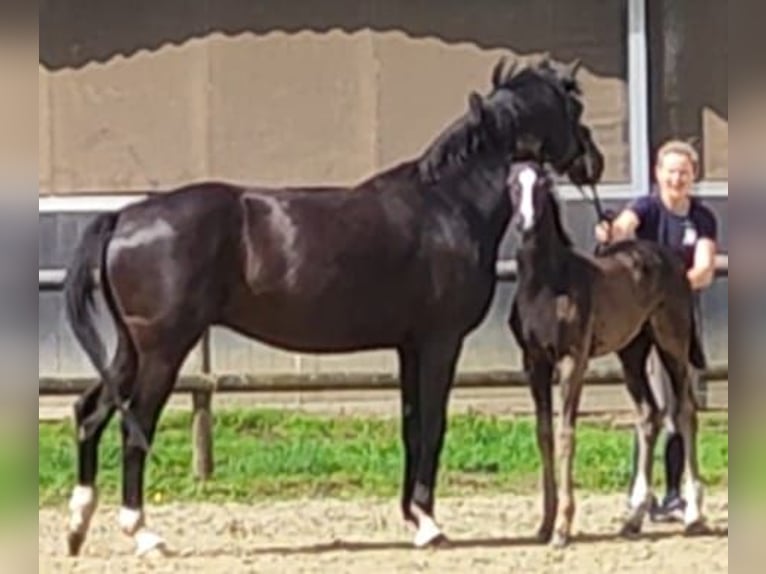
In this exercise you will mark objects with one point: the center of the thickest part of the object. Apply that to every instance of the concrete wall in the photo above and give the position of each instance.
(138, 97)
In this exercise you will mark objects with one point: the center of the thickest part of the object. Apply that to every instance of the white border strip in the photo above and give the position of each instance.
(97, 203)
(86, 203)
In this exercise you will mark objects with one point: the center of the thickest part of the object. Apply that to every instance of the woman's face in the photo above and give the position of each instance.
(675, 175)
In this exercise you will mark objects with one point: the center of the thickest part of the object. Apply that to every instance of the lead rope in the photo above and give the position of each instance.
(601, 215)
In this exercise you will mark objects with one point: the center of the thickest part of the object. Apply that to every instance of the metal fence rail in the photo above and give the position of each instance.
(53, 279)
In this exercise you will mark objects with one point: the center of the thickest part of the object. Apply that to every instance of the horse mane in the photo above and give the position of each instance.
(469, 136)
(512, 76)
(462, 141)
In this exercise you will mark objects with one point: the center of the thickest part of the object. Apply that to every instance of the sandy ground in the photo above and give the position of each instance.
(487, 534)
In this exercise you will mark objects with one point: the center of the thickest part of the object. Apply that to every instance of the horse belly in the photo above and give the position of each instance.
(331, 323)
(615, 326)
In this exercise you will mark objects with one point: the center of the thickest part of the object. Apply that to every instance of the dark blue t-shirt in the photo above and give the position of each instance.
(680, 233)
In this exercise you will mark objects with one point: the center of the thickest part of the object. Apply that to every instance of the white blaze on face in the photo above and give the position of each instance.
(527, 179)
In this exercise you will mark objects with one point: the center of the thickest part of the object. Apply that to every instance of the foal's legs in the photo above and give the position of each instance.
(672, 329)
(540, 381)
(408, 368)
(633, 358)
(686, 418)
(570, 371)
(436, 371)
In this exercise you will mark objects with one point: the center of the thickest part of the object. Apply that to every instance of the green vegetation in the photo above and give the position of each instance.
(281, 454)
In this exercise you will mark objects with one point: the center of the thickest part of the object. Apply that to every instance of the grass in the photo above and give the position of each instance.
(17, 465)
(279, 454)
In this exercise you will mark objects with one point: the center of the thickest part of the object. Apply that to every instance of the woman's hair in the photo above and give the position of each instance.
(680, 147)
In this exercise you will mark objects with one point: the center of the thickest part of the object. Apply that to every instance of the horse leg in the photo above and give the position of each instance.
(693, 491)
(84, 497)
(153, 386)
(685, 416)
(673, 330)
(436, 372)
(540, 381)
(570, 370)
(93, 411)
(633, 358)
(408, 366)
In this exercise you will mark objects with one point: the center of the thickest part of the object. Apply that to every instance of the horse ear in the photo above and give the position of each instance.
(497, 72)
(573, 68)
(509, 73)
(476, 105)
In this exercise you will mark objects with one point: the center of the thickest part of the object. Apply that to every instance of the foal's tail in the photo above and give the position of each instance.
(79, 287)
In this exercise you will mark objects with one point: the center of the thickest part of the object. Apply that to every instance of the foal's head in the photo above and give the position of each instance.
(534, 203)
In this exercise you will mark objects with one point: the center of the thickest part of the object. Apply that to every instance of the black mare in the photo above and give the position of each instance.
(404, 260)
(571, 306)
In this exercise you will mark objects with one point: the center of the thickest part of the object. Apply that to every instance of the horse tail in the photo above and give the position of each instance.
(79, 287)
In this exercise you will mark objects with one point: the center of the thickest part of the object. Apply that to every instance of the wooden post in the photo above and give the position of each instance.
(202, 420)
(701, 391)
(202, 434)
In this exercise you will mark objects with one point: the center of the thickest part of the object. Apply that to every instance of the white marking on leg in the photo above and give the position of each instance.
(132, 523)
(130, 520)
(82, 505)
(427, 532)
(640, 492)
(527, 179)
(693, 498)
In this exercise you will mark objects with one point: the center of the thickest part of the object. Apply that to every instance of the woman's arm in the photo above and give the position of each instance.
(702, 271)
(622, 227)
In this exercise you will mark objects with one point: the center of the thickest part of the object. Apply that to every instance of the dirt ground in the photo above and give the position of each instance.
(487, 534)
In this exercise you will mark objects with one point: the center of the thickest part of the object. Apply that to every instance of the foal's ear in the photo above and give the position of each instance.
(476, 105)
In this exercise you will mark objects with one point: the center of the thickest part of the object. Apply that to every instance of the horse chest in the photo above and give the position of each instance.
(549, 320)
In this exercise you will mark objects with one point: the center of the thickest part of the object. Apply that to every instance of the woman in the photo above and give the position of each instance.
(673, 217)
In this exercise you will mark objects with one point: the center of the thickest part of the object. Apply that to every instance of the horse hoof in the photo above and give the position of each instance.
(696, 528)
(439, 541)
(428, 534)
(149, 544)
(544, 534)
(559, 540)
(630, 529)
(160, 552)
(74, 542)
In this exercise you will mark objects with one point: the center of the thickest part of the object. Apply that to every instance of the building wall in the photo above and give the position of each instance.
(135, 99)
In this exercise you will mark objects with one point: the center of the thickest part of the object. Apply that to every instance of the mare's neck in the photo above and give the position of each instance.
(480, 187)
